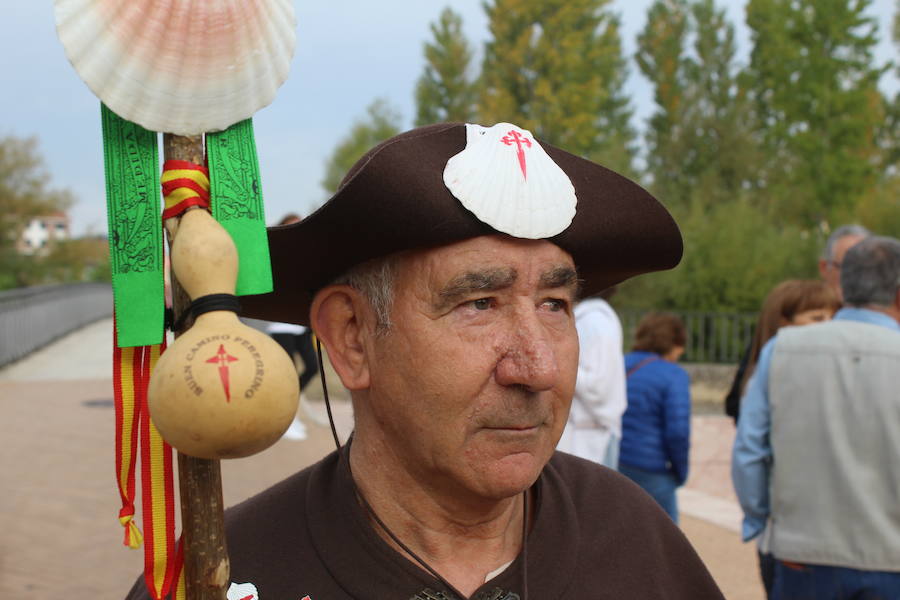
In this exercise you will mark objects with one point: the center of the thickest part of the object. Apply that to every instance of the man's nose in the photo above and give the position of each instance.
(528, 357)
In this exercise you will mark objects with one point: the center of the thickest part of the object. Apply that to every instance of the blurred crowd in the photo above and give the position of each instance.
(817, 419)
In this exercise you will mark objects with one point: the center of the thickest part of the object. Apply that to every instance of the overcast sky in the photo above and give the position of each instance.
(348, 53)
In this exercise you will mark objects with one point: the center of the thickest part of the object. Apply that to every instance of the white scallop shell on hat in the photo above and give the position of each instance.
(535, 200)
(180, 66)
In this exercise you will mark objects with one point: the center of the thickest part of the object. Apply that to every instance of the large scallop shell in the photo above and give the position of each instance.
(180, 66)
(507, 180)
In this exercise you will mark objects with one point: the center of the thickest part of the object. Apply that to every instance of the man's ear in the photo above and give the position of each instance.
(823, 268)
(341, 319)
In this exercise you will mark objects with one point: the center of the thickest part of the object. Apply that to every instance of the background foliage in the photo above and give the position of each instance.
(381, 122)
(758, 162)
(446, 91)
(25, 193)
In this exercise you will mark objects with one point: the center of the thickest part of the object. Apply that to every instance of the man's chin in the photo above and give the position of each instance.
(513, 474)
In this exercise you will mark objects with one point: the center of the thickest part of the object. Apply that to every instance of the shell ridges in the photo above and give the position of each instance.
(507, 180)
(180, 66)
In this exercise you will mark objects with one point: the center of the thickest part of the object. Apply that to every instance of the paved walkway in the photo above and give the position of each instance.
(58, 516)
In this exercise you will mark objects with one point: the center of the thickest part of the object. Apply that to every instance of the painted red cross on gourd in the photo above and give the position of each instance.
(222, 358)
(514, 137)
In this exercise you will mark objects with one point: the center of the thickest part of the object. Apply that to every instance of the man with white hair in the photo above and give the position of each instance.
(442, 278)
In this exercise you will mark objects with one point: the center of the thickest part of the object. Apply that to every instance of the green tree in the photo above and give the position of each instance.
(381, 122)
(813, 81)
(890, 131)
(25, 193)
(733, 256)
(445, 91)
(701, 141)
(660, 57)
(556, 68)
(80, 259)
(704, 161)
(878, 208)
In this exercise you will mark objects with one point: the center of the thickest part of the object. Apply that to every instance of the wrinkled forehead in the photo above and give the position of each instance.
(490, 261)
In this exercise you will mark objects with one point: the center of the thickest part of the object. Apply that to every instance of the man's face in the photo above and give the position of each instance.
(830, 270)
(470, 389)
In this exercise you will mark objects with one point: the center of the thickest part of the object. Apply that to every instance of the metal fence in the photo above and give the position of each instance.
(711, 337)
(33, 317)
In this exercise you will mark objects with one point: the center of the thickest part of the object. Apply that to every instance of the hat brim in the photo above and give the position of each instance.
(394, 199)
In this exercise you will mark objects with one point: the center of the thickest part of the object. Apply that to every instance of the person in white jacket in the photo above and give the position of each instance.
(594, 427)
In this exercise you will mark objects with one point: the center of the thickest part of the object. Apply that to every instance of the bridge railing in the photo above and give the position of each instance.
(712, 337)
(35, 316)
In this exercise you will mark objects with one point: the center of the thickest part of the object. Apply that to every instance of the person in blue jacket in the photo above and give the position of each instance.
(656, 426)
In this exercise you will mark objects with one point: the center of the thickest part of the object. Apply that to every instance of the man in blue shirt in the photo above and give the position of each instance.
(815, 457)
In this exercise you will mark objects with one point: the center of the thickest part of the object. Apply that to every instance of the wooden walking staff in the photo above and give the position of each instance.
(187, 68)
(223, 389)
(206, 566)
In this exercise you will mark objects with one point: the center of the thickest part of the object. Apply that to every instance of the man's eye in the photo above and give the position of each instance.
(555, 305)
(481, 304)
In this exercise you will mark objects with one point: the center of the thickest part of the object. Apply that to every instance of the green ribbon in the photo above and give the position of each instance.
(236, 193)
(131, 162)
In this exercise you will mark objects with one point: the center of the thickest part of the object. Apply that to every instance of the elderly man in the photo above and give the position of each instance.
(841, 239)
(443, 278)
(819, 436)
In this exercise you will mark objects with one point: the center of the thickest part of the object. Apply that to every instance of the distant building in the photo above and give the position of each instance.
(41, 232)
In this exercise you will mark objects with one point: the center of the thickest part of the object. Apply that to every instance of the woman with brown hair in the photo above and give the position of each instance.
(656, 426)
(791, 302)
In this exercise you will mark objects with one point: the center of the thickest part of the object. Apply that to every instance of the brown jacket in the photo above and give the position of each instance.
(595, 535)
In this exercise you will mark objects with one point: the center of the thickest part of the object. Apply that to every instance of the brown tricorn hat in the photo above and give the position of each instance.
(394, 199)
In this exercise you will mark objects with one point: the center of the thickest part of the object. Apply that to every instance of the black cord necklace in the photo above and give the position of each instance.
(337, 442)
(386, 529)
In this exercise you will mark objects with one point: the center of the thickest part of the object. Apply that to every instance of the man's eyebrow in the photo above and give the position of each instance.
(470, 282)
(559, 277)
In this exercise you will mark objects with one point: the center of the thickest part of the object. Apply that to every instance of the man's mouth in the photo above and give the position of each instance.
(512, 427)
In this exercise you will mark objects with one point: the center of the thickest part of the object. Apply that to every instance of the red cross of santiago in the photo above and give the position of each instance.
(222, 358)
(514, 137)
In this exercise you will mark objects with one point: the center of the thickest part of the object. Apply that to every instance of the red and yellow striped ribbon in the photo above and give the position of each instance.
(184, 184)
(136, 433)
(158, 494)
(126, 436)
